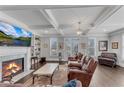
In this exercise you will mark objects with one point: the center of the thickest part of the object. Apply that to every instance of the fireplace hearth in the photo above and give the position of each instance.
(12, 68)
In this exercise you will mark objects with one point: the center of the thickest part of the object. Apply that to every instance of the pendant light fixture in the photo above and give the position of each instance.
(79, 32)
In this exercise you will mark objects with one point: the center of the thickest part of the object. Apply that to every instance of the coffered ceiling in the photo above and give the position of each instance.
(63, 20)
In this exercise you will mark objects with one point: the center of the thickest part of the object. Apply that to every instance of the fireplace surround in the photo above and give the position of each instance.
(25, 65)
(12, 67)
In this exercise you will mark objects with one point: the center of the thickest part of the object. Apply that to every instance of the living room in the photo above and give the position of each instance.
(53, 45)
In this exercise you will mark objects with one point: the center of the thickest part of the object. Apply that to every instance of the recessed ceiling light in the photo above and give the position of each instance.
(93, 27)
(79, 33)
(46, 32)
(79, 30)
(104, 30)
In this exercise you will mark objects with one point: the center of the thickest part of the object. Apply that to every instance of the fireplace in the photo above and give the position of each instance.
(12, 68)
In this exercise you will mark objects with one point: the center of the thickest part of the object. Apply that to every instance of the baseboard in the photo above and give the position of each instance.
(54, 59)
(121, 64)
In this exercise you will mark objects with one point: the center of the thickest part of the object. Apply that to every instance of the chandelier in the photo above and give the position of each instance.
(79, 32)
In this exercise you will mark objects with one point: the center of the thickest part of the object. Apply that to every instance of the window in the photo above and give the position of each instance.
(53, 47)
(75, 42)
(71, 46)
(91, 46)
(68, 47)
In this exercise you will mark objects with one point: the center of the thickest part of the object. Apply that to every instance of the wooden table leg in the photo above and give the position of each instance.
(33, 78)
(51, 79)
(58, 67)
(37, 63)
(34, 64)
(31, 64)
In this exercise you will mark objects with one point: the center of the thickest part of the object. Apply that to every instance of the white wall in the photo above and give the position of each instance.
(45, 47)
(4, 51)
(112, 37)
(83, 40)
(45, 52)
(100, 38)
(14, 50)
(117, 37)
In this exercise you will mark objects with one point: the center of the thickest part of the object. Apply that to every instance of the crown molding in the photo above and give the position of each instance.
(118, 31)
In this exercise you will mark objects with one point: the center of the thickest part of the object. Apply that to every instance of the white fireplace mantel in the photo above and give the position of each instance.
(4, 58)
(11, 57)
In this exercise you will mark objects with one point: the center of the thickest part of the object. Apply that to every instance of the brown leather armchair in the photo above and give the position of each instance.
(85, 74)
(79, 65)
(76, 57)
(72, 58)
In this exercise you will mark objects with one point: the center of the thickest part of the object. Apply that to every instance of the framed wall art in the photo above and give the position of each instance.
(103, 45)
(45, 45)
(114, 45)
(61, 45)
(83, 45)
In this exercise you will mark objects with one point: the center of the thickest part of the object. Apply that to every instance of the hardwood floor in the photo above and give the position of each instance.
(104, 76)
(108, 77)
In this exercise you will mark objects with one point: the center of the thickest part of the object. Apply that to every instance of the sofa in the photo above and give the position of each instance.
(109, 59)
(85, 74)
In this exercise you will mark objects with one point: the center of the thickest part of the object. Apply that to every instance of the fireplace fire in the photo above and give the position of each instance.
(12, 68)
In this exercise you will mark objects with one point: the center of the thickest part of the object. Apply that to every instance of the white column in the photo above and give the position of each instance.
(28, 59)
(0, 71)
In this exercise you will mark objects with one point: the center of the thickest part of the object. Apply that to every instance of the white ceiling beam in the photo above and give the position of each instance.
(105, 14)
(49, 16)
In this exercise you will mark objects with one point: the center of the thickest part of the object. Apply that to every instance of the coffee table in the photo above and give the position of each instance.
(47, 70)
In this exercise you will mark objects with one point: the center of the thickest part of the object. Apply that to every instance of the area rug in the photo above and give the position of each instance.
(59, 78)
